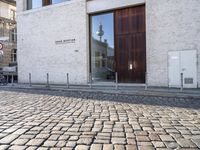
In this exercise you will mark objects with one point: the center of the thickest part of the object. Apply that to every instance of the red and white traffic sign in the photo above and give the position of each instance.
(1, 46)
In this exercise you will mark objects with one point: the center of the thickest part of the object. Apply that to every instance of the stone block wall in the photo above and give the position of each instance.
(40, 50)
(171, 25)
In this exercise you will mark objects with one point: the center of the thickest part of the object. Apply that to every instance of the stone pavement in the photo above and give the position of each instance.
(110, 88)
(33, 119)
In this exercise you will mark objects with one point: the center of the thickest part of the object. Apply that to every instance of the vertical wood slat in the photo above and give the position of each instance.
(130, 44)
(46, 2)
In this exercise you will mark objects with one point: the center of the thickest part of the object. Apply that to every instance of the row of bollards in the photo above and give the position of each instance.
(68, 85)
(47, 82)
(181, 86)
(91, 81)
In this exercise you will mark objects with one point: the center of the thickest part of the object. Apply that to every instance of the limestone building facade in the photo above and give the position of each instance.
(144, 41)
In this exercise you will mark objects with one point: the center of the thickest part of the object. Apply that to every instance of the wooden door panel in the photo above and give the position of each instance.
(122, 57)
(130, 44)
(122, 23)
(137, 19)
(139, 57)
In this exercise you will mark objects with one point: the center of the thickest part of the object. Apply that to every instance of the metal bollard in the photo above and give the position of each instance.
(47, 81)
(181, 82)
(30, 79)
(12, 80)
(146, 83)
(90, 76)
(67, 80)
(116, 81)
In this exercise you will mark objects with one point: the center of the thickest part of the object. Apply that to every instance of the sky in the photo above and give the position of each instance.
(58, 1)
(38, 3)
(107, 21)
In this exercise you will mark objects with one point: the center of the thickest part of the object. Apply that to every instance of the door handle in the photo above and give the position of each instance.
(131, 66)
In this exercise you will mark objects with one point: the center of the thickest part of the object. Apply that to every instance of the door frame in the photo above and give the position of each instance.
(113, 11)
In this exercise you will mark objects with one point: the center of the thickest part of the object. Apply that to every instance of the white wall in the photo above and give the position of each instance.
(171, 25)
(38, 29)
(95, 6)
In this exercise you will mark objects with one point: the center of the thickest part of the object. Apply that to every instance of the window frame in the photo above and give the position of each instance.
(29, 3)
(90, 39)
(14, 55)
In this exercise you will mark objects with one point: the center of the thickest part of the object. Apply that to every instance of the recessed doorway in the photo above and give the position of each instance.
(118, 44)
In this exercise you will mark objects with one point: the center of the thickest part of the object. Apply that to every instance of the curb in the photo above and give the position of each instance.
(147, 93)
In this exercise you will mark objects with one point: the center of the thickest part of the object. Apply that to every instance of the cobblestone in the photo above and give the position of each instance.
(31, 119)
(35, 142)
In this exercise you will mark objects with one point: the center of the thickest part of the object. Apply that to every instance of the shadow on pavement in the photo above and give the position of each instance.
(192, 103)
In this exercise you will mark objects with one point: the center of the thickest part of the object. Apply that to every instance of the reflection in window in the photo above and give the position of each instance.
(29, 4)
(34, 4)
(102, 47)
(58, 1)
(12, 14)
(39, 3)
(13, 35)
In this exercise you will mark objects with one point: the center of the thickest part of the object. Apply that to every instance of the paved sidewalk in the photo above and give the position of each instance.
(71, 120)
(126, 89)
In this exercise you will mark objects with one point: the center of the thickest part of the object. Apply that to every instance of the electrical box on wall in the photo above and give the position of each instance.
(184, 62)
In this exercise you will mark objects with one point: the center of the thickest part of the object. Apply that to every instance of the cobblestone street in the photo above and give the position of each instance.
(31, 119)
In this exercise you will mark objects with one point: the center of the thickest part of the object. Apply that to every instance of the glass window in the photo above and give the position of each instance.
(29, 4)
(34, 4)
(39, 3)
(58, 1)
(12, 14)
(102, 47)
(13, 35)
(14, 55)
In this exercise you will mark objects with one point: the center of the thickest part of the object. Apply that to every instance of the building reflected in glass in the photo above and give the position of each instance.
(102, 47)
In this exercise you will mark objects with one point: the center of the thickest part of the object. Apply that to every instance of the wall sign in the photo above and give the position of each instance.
(66, 41)
(1, 46)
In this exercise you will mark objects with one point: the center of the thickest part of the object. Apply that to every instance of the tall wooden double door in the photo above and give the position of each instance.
(130, 44)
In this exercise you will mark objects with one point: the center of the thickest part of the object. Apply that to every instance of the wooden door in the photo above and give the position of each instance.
(130, 44)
